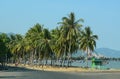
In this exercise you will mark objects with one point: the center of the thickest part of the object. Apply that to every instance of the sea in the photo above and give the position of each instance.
(110, 65)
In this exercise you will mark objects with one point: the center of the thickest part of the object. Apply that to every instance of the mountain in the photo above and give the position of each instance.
(100, 52)
(108, 52)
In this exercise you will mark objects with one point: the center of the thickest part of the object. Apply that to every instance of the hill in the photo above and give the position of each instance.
(101, 52)
(108, 52)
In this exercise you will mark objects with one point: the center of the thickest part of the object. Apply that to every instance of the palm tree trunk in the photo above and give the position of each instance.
(51, 61)
(63, 59)
(87, 57)
(39, 59)
(46, 62)
(24, 58)
(35, 63)
(31, 58)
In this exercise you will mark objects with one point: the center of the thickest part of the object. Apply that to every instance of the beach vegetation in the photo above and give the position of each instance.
(40, 45)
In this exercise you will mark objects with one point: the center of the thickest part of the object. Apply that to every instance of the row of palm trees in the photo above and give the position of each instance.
(56, 45)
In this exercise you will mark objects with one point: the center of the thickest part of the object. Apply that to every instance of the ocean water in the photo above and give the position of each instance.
(81, 63)
(111, 64)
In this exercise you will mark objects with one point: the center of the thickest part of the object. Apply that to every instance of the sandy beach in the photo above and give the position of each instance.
(65, 69)
(25, 73)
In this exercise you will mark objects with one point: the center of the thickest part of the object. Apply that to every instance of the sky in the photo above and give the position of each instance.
(103, 16)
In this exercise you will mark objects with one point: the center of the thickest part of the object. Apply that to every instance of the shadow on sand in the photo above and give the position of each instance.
(11, 77)
(16, 69)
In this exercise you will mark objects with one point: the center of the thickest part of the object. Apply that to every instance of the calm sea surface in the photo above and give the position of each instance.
(111, 64)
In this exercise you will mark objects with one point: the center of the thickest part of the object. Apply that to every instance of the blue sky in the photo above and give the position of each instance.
(103, 16)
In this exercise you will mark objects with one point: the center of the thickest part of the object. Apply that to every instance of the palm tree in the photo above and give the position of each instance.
(45, 45)
(33, 37)
(55, 43)
(4, 51)
(14, 46)
(88, 41)
(70, 31)
(21, 44)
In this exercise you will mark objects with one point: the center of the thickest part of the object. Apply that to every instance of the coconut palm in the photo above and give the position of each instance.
(56, 45)
(20, 46)
(45, 45)
(88, 41)
(71, 30)
(13, 45)
(4, 51)
(33, 37)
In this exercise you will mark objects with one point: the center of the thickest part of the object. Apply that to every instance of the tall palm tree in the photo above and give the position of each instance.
(70, 30)
(33, 37)
(13, 46)
(4, 51)
(88, 41)
(57, 44)
(20, 46)
(45, 45)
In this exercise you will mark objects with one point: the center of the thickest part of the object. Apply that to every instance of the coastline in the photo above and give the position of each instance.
(64, 69)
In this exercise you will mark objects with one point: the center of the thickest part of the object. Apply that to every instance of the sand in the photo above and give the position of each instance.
(48, 72)
(64, 69)
(23, 73)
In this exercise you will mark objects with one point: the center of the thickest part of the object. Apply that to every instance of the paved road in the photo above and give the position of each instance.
(30, 74)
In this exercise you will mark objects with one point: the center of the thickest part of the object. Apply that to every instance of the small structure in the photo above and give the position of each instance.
(96, 63)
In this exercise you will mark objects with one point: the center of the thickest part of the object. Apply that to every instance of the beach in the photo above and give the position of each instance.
(64, 69)
(25, 73)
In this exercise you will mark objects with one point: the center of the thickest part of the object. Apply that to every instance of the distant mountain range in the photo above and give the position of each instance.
(101, 52)
(108, 52)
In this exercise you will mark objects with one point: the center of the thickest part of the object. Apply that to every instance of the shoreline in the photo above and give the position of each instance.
(64, 69)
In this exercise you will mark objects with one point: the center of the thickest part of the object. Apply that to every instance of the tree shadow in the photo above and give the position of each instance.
(17, 69)
(10, 76)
